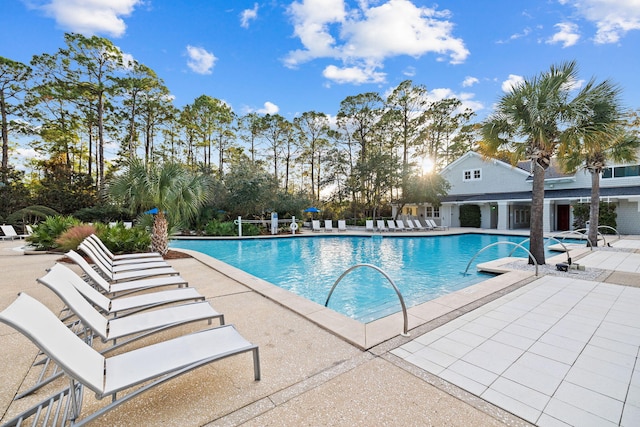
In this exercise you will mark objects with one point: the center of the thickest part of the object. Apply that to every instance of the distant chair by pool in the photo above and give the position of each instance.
(315, 225)
(380, 225)
(342, 225)
(435, 226)
(328, 225)
(368, 225)
(391, 225)
(400, 225)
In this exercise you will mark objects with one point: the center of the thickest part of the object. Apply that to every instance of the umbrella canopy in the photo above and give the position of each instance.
(152, 211)
(312, 210)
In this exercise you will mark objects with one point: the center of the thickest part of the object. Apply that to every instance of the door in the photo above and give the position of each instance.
(564, 212)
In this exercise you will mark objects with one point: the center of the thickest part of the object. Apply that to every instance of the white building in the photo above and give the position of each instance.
(503, 194)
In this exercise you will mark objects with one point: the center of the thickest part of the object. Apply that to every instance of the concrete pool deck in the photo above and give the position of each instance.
(310, 375)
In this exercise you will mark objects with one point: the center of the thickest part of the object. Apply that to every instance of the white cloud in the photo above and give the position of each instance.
(269, 108)
(613, 18)
(567, 34)
(513, 81)
(469, 81)
(248, 15)
(90, 17)
(363, 38)
(355, 75)
(465, 98)
(200, 61)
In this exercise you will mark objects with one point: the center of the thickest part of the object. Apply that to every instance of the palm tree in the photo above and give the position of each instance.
(530, 121)
(599, 134)
(174, 191)
(527, 120)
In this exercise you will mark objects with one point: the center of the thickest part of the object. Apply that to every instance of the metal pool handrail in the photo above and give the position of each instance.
(566, 251)
(611, 228)
(405, 332)
(502, 243)
(579, 233)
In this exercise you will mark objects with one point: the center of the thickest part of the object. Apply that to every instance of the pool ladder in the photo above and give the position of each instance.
(405, 332)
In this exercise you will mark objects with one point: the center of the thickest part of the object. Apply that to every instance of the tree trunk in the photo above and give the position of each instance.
(5, 132)
(536, 233)
(594, 212)
(160, 234)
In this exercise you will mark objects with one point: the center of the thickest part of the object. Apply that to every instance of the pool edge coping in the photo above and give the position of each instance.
(368, 335)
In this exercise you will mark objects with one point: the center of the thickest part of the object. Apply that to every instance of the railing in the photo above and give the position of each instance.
(550, 238)
(610, 228)
(405, 332)
(579, 233)
(502, 243)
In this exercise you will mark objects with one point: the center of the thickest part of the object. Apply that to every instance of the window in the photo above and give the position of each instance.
(432, 212)
(621, 172)
(472, 175)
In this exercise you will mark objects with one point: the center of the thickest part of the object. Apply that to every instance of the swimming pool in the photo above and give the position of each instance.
(423, 267)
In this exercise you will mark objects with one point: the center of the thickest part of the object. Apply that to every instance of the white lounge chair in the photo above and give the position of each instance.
(127, 328)
(124, 287)
(342, 225)
(122, 257)
(315, 225)
(400, 225)
(435, 226)
(124, 305)
(135, 271)
(368, 225)
(417, 226)
(328, 226)
(408, 225)
(380, 225)
(108, 376)
(10, 233)
(123, 264)
(391, 225)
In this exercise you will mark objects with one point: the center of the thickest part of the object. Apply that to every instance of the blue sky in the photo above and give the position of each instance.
(289, 57)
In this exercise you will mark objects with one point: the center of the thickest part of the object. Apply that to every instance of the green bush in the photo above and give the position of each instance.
(45, 234)
(470, 216)
(228, 228)
(607, 216)
(120, 239)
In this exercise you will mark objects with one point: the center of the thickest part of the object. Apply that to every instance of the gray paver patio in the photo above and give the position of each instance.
(573, 365)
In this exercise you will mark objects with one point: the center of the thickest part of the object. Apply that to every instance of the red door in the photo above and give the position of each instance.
(563, 217)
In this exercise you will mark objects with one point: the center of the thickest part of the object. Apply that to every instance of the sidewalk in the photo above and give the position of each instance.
(309, 376)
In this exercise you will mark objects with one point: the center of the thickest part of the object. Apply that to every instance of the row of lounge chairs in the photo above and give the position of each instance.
(102, 305)
(328, 225)
(403, 225)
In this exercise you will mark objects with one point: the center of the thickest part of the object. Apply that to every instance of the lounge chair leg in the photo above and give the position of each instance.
(256, 364)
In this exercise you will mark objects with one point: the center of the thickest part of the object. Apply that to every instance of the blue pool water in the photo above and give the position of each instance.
(423, 268)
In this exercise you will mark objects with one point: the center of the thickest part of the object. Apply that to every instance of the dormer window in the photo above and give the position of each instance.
(472, 175)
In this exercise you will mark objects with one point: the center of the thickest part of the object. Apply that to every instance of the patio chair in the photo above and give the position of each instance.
(435, 226)
(391, 225)
(135, 271)
(328, 226)
(408, 225)
(10, 233)
(123, 287)
(127, 328)
(315, 225)
(109, 376)
(342, 225)
(368, 225)
(63, 281)
(400, 225)
(118, 258)
(380, 225)
(123, 264)
(124, 305)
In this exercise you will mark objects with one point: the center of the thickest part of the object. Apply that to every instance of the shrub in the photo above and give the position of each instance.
(45, 234)
(120, 239)
(470, 216)
(71, 239)
(607, 216)
(228, 228)
(102, 213)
